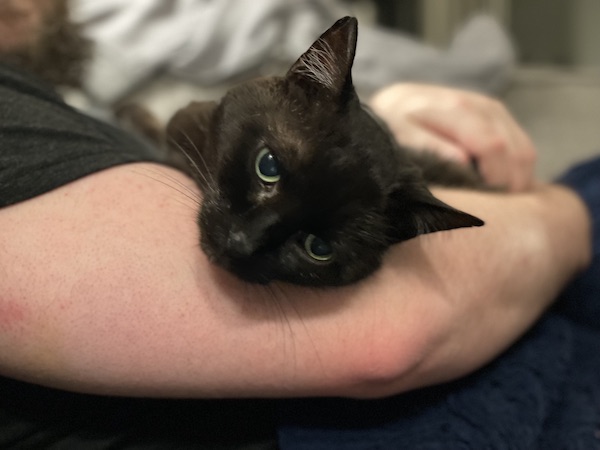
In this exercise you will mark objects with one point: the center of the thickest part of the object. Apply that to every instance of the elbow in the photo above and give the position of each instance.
(388, 367)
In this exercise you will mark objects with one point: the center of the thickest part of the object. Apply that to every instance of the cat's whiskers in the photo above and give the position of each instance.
(306, 329)
(209, 183)
(198, 152)
(195, 167)
(200, 156)
(277, 301)
(266, 302)
(369, 231)
(374, 238)
(190, 194)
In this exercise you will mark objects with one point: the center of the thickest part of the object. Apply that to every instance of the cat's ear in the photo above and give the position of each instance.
(413, 211)
(187, 135)
(328, 62)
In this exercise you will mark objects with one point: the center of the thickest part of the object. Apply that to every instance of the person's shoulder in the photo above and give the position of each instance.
(24, 82)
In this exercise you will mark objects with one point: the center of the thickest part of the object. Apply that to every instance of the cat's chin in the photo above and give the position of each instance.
(246, 270)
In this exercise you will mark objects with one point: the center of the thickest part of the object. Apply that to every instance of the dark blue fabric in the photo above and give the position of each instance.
(544, 393)
(581, 300)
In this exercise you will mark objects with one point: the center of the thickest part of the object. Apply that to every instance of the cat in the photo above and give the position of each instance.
(301, 182)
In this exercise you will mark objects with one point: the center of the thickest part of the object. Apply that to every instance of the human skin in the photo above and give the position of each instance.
(462, 126)
(38, 36)
(21, 22)
(104, 289)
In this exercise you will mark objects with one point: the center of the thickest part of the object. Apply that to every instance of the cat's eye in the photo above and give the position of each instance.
(267, 167)
(317, 248)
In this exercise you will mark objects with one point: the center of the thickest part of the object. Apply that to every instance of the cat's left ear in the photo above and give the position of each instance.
(327, 64)
(413, 211)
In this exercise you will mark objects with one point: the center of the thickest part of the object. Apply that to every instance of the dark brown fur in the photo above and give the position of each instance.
(345, 192)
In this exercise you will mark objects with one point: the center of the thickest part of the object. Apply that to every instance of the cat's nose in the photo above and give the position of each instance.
(239, 244)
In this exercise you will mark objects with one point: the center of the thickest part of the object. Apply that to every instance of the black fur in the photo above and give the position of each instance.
(342, 177)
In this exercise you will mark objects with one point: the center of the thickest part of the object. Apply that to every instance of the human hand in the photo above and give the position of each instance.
(462, 126)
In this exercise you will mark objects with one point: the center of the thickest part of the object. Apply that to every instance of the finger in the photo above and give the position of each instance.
(464, 126)
(525, 155)
(519, 154)
(455, 118)
(470, 130)
(488, 132)
(421, 139)
(494, 171)
(497, 155)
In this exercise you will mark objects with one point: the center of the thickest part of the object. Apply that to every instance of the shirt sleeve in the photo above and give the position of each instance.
(45, 143)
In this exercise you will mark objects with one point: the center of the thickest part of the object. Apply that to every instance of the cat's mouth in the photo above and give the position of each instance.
(238, 257)
(249, 269)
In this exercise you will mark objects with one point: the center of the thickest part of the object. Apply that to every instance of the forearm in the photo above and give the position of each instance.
(99, 299)
(501, 278)
(456, 300)
(445, 304)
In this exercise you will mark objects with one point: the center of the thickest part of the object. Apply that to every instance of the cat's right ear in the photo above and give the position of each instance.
(413, 211)
(327, 64)
(187, 136)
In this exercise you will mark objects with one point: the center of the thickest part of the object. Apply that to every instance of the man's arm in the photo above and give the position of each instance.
(424, 117)
(104, 289)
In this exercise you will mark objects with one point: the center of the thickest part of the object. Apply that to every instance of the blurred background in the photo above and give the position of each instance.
(545, 31)
(554, 90)
(540, 57)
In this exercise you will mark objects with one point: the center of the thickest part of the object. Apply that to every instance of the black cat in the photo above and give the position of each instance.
(300, 182)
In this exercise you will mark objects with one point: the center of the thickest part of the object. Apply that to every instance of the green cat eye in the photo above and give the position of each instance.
(267, 167)
(318, 248)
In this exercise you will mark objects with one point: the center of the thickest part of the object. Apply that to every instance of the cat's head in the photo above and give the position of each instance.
(300, 182)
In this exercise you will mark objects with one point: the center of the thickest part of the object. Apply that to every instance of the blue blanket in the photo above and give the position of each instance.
(543, 393)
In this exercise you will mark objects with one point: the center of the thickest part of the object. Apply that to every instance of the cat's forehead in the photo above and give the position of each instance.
(308, 132)
(279, 95)
(284, 113)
